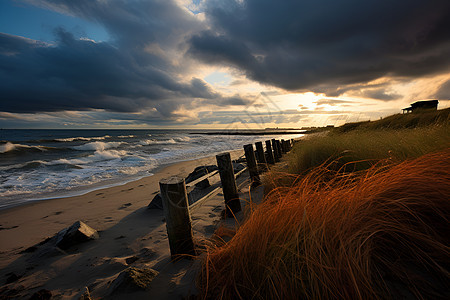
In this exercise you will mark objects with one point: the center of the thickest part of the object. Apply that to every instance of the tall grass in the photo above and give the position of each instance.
(422, 118)
(380, 235)
(360, 149)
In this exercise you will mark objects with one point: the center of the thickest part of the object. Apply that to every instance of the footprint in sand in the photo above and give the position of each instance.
(217, 209)
(7, 228)
(125, 205)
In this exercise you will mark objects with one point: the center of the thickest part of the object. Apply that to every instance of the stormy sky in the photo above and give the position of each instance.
(218, 63)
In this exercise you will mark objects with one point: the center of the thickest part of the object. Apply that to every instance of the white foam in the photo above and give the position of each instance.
(81, 138)
(156, 142)
(7, 147)
(11, 147)
(183, 139)
(107, 155)
(98, 146)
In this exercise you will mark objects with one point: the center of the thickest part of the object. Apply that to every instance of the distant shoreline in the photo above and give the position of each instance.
(252, 132)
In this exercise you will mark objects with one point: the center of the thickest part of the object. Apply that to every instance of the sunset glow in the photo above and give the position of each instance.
(206, 64)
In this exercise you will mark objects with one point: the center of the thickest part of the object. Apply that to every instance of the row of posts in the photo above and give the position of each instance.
(175, 199)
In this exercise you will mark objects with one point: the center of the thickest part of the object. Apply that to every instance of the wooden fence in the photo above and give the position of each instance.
(174, 195)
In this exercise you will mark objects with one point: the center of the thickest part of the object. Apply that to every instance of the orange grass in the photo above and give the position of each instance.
(381, 235)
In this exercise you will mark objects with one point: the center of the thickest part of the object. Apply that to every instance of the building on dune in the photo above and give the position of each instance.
(421, 105)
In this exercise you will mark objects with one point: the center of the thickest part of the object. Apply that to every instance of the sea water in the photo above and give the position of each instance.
(43, 164)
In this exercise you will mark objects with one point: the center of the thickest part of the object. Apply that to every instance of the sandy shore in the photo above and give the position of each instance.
(127, 228)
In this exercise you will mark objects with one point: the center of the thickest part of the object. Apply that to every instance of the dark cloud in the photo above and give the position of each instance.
(325, 45)
(380, 94)
(78, 74)
(124, 74)
(444, 91)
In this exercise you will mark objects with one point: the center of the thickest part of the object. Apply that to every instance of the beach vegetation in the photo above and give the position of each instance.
(358, 212)
(379, 235)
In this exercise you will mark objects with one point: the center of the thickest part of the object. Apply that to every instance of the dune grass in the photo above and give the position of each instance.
(360, 149)
(382, 234)
(422, 118)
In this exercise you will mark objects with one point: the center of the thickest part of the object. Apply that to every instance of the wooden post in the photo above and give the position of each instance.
(275, 150)
(230, 194)
(278, 149)
(261, 157)
(251, 164)
(178, 219)
(270, 158)
(283, 146)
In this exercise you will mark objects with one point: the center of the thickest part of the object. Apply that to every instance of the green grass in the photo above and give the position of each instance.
(358, 146)
(359, 149)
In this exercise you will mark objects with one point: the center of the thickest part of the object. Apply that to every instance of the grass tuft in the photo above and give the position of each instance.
(381, 233)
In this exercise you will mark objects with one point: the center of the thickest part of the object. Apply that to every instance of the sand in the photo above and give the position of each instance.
(130, 235)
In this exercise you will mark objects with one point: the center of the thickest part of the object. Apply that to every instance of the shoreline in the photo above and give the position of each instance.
(30, 223)
(86, 189)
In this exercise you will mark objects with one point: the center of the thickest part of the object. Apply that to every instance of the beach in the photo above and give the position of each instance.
(126, 228)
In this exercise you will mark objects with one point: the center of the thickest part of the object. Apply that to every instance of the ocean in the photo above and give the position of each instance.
(44, 164)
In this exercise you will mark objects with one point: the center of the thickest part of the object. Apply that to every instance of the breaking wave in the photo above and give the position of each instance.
(98, 146)
(9, 147)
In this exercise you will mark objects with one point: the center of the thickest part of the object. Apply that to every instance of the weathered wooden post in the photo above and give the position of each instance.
(261, 157)
(280, 153)
(178, 219)
(251, 164)
(283, 146)
(230, 193)
(270, 158)
(276, 156)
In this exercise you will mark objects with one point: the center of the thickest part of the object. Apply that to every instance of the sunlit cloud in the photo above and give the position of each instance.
(253, 63)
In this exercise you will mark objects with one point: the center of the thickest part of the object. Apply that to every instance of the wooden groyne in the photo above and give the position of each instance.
(175, 201)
